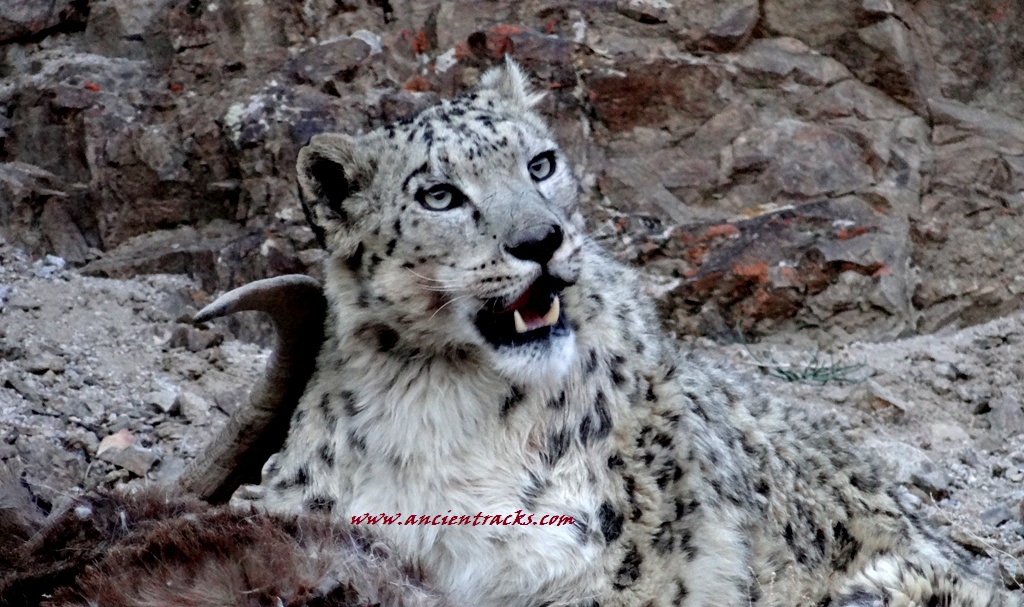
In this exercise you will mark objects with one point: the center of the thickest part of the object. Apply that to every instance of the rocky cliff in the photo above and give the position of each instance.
(849, 168)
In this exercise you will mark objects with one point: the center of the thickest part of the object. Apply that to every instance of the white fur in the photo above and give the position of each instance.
(541, 366)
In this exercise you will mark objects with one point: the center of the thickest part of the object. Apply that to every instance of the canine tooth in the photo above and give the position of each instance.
(520, 323)
(552, 316)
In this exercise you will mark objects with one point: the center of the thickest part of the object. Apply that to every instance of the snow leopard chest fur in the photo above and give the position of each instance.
(388, 430)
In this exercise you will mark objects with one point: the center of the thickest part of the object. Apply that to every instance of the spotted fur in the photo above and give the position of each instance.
(689, 485)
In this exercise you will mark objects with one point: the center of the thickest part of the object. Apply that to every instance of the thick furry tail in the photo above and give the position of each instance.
(891, 581)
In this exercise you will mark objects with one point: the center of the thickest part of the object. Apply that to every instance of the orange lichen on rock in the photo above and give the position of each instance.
(848, 233)
(416, 84)
(420, 44)
(757, 271)
(725, 229)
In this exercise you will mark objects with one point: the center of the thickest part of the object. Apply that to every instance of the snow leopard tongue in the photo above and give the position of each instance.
(535, 315)
(536, 308)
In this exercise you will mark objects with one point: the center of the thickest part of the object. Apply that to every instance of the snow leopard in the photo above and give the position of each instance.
(484, 355)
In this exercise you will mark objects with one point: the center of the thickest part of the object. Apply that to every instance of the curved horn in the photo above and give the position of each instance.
(257, 430)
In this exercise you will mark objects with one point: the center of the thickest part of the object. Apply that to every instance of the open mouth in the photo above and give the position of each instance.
(535, 315)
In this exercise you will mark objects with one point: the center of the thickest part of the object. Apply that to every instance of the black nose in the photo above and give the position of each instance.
(536, 243)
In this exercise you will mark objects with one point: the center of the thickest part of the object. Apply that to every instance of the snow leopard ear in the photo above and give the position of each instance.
(331, 169)
(511, 85)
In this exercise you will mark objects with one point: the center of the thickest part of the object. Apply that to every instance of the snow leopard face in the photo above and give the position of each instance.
(456, 228)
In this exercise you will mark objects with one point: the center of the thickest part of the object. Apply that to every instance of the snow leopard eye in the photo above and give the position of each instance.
(542, 166)
(440, 197)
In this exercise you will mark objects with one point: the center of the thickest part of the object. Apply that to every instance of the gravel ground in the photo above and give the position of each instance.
(103, 386)
(100, 385)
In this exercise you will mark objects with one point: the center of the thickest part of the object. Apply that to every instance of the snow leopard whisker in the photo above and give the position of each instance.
(427, 278)
(441, 289)
(448, 303)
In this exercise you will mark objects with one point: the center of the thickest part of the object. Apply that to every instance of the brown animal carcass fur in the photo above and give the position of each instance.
(155, 549)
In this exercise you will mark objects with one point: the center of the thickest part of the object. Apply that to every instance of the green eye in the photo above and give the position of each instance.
(542, 166)
(440, 197)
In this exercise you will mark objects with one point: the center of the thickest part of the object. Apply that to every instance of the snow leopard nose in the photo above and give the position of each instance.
(536, 243)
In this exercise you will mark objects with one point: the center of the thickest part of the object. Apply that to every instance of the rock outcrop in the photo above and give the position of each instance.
(853, 167)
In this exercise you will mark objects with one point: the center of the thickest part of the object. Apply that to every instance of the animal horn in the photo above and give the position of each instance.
(257, 430)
